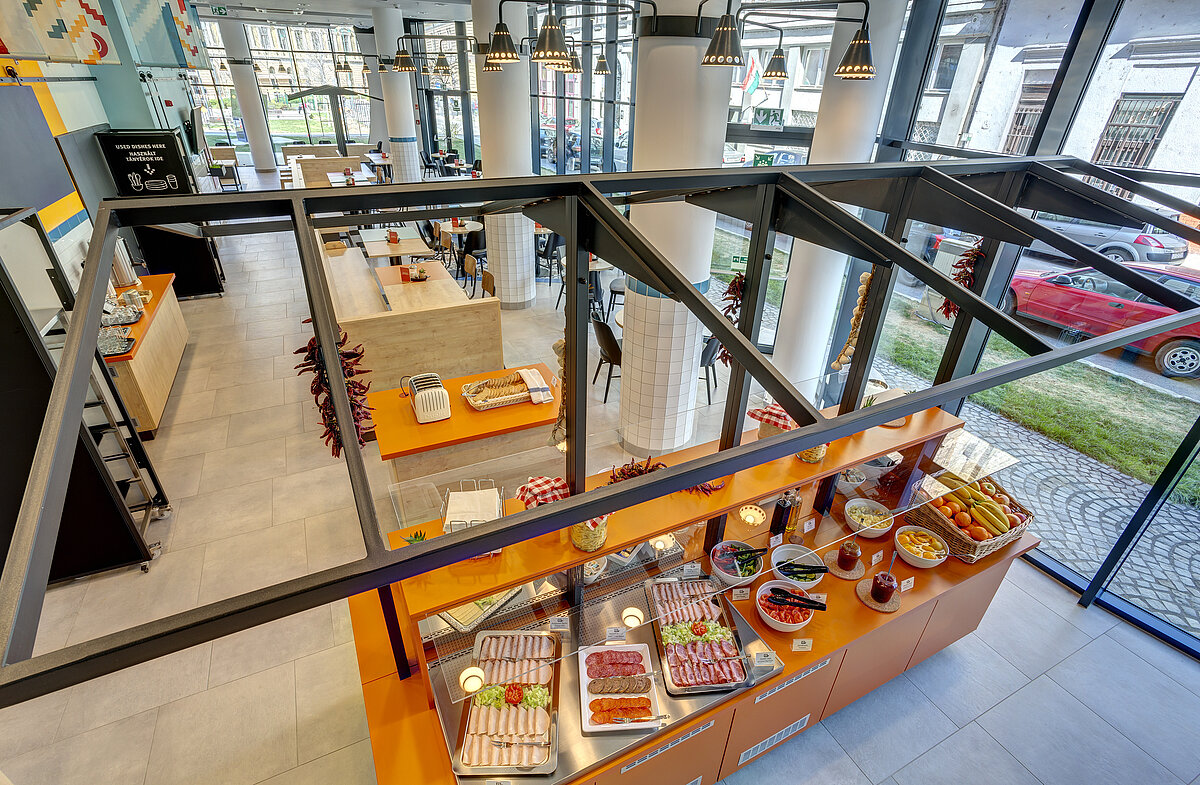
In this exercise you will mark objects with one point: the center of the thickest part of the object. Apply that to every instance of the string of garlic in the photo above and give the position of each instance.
(864, 288)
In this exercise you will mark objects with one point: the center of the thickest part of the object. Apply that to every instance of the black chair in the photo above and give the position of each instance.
(476, 245)
(425, 229)
(549, 255)
(610, 352)
(379, 147)
(616, 288)
(477, 166)
(708, 361)
(428, 164)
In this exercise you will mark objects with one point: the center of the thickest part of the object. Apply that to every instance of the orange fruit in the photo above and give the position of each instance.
(962, 519)
(944, 510)
(978, 533)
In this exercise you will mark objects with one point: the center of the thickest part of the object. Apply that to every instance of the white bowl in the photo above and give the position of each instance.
(914, 559)
(797, 554)
(735, 580)
(773, 623)
(869, 506)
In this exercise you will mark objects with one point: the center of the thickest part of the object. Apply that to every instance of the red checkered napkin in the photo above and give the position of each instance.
(543, 490)
(773, 415)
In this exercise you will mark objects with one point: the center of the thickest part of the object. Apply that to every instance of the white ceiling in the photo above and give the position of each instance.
(338, 11)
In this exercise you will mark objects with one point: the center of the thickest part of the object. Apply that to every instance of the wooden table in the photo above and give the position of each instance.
(464, 227)
(338, 179)
(416, 449)
(380, 160)
(374, 234)
(378, 249)
(145, 373)
(390, 276)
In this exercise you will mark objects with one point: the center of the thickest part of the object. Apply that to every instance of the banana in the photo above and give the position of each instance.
(983, 520)
(993, 514)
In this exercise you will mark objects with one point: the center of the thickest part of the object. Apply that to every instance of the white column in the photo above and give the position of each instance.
(681, 116)
(847, 124)
(397, 100)
(245, 85)
(366, 45)
(507, 151)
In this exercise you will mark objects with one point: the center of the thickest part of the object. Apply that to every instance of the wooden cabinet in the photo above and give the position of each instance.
(144, 375)
(878, 657)
(691, 757)
(959, 611)
(779, 710)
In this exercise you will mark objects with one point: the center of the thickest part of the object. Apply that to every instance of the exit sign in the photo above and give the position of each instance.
(220, 10)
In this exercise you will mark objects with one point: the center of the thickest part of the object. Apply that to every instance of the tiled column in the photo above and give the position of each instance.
(397, 99)
(245, 86)
(660, 355)
(366, 45)
(510, 243)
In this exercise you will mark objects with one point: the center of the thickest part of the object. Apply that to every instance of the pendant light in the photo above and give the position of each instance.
(857, 62)
(776, 70)
(490, 66)
(601, 66)
(441, 65)
(501, 49)
(551, 43)
(366, 69)
(726, 45)
(223, 66)
(404, 62)
(257, 68)
(575, 66)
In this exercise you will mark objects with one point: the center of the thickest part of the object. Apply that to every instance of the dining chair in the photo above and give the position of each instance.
(470, 273)
(708, 361)
(476, 245)
(616, 288)
(449, 252)
(549, 255)
(428, 164)
(478, 166)
(610, 352)
(489, 283)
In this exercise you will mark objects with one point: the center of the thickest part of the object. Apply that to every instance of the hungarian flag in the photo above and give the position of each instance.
(751, 77)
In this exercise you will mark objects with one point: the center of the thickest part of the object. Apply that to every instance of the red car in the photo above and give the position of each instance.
(1088, 302)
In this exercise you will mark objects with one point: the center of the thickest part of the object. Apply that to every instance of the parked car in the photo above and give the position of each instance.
(1087, 302)
(923, 241)
(1123, 243)
(620, 156)
(732, 156)
(781, 157)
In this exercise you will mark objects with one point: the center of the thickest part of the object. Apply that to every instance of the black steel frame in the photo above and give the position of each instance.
(586, 210)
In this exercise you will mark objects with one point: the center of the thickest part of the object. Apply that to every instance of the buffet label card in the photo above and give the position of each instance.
(809, 525)
(560, 624)
(776, 540)
(616, 634)
(907, 583)
(801, 644)
(764, 659)
(878, 557)
(691, 570)
(819, 597)
(499, 782)
(741, 593)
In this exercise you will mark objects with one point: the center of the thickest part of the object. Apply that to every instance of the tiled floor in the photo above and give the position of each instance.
(1042, 691)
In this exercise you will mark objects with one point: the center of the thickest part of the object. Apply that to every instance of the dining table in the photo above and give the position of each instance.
(380, 161)
(338, 179)
(464, 228)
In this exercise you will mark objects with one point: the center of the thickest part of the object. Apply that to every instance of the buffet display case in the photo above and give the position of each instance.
(669, 657)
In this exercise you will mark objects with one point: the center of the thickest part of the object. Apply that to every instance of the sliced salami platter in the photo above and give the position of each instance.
(698, 642)
(616, 689)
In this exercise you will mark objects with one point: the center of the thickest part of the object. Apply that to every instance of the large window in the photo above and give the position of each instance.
(1034, 91)
(1134, 129)
(449, 101)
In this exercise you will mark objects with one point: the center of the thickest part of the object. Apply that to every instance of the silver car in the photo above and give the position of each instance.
(1122, 243)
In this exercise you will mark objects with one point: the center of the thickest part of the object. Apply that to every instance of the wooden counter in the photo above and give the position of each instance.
(144, 375)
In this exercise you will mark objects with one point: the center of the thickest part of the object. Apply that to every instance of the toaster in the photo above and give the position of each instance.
(430, 401)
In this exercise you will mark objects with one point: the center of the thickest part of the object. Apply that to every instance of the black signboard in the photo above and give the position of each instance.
(146, 163)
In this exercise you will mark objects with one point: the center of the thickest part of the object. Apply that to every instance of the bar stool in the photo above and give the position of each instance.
(616, 288)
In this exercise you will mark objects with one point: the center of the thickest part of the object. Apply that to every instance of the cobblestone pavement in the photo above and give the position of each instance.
(1080, 506)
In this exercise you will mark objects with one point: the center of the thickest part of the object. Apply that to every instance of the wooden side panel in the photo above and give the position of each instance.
(959, 611)
(145, 380)
(314, 171)
(878, 657)
(696, 759)
(779, 710)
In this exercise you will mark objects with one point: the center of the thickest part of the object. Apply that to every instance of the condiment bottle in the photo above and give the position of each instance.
(782, 512)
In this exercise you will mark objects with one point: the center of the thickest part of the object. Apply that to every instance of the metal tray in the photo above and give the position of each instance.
(726, 619)
(516, 771)
(486, 614)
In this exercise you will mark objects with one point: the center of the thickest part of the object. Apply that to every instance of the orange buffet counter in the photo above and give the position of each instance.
(853, 648)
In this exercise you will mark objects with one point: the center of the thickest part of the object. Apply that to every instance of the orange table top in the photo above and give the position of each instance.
(454, 584)
(399, 433)
(159, 285)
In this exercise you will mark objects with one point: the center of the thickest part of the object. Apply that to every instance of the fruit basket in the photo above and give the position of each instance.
(959, 542)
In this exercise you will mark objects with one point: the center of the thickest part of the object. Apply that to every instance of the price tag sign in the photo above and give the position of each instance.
(878, 557)
(907, 583)
(764, 659)
(560, 624)
(801, 644)
(818, 597)
(741, 593)
(776, 540)
(614, 634)
(809, 525)
(691, 570)
(499, 782)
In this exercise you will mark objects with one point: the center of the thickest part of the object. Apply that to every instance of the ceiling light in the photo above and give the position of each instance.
(551, 44)
(404, 62)
(257, 68)
(726, 45)
(488, 65)
(223, 66)
(501, 49)
(575, 66)
(366, 69)
(601, 66)
(857, 62)
(776, 70)
(441, 65)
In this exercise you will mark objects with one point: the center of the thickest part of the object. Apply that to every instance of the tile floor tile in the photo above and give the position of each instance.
(343, 631)
(1166, 659)
(1133, 696)
(238, 373)
(250, 561)
(1027, 633)
(30, 725)
(124, 598)
(235, 734)
(246, 463)
(888, 728)
(266, 646)
(307, 450)
(1063, 742)
(268, 298)
(264, 424)
(191, 380)
(133, 690)
(1058, 598)
(223, 513)
(264, 313)
(190, 438)
(965, 757)
(966, 679)
(333, 538)
(329, 702)
(310, 493)
(112, 755)
(59, 609)
(249, 397)
(351, 765)
(812, 757)
(180, 476)
(187, 408)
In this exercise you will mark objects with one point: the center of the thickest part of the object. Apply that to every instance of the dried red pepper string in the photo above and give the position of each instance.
(964, 276)
(636, 468)
(735, 292)
(314, 363)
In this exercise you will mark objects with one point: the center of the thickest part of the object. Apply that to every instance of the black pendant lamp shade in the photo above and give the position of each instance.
(726, 45)
(857, 62)
(223, 66)
(551, 43)
(488, 65)
(501, 49)
(776, 67)
(575, 66)
(601, 66)
(441, 65)
(404, 62)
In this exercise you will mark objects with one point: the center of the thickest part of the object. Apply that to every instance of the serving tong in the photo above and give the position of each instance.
(783, 597)
(507, 744)
(628, 720)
